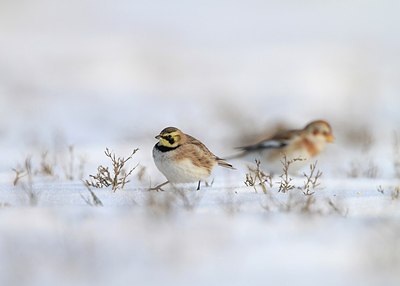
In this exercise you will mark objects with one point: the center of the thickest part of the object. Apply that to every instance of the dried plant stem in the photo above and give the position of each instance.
(117, 178)
(26, 186)
(285, 183)
(396, 193)
(256, 177)
(311, 182)
(93, 200)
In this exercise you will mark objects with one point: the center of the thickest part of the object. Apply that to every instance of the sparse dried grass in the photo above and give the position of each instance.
(46, 167)
(22, 171)
(380, 190)
(24, 180)
(92, 200)
(336, 208)
(73, 167)
(29, 171)
(312, 180)
(54, 168)
(167, 202)
(258, 178)
(395, 194)
(117, 178)
(394, 191)
(294, 197)
(285, 184)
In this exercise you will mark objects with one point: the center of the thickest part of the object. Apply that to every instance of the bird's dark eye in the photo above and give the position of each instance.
(170, 139)
(315, 132)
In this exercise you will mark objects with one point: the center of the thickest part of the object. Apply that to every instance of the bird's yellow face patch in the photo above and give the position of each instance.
(169, 139)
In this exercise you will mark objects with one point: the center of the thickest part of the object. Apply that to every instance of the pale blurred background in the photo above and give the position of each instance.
(96, 74)
(101, 71)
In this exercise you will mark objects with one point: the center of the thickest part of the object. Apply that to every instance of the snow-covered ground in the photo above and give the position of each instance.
(97, 74)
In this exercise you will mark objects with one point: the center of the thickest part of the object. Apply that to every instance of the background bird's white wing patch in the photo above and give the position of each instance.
(273, 143)
(267, 144)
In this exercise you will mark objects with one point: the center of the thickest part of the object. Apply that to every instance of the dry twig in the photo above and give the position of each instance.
(117, 178)
(257, 177)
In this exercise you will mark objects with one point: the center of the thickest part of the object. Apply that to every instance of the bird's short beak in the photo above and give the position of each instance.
(330, 138)
(158, 137)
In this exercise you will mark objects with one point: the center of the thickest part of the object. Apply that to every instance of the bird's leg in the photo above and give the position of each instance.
(158, 188)
(198, 186)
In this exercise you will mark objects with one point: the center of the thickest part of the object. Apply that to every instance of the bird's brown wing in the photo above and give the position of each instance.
(201, 155)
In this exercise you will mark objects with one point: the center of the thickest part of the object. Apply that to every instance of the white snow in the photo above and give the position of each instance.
(97, 74)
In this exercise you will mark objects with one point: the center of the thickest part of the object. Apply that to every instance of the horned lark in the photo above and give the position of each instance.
(302, 144)
(183, 159)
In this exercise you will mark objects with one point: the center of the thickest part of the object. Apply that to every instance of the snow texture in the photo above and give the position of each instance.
(97, 74)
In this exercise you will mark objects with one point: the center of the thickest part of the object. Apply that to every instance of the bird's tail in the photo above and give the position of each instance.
(223, 163)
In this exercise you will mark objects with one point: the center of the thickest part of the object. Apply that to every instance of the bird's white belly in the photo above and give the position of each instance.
(182, 171)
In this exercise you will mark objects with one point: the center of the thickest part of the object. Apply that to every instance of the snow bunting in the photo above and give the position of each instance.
(183, 159)
(295, 144)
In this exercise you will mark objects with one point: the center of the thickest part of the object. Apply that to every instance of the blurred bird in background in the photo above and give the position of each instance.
(298, 145)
